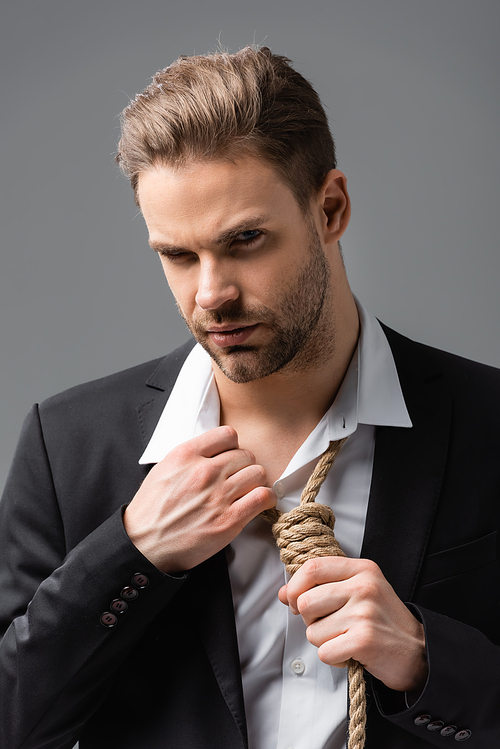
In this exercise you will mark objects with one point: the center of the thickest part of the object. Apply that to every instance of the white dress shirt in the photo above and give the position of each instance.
(292, 699)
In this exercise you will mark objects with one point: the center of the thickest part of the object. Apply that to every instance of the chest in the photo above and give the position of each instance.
(273, 448)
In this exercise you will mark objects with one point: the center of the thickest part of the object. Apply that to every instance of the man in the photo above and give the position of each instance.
(159, 613)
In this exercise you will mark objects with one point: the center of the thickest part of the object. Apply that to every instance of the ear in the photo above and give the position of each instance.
(335, 204)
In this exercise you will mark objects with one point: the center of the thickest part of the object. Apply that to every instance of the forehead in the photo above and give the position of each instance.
(204, 198)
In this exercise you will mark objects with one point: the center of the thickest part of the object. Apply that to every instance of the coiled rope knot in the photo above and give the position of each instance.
(306, 532)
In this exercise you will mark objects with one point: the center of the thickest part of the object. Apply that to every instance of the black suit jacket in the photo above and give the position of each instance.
(167, 675)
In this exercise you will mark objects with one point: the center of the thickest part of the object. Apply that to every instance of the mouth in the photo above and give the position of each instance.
(230, 335)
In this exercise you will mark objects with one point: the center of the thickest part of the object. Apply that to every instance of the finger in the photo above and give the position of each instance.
(282, 595)
(285, 598)
(232, 462)
(242, 480)
(323, 570)
(337, 650)
(252, 504)
(213, 442)
(305, 579)
(329, 627)
(319, 602)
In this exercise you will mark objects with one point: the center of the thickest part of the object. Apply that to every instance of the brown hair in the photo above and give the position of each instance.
(225, 105)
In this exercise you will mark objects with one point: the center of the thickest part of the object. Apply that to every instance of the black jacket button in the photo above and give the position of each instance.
(118, 606)
(463, 735)
(435, 725)
(448, 731)
(140, 580)
(129, 593)
(108, 619)
(422, 720)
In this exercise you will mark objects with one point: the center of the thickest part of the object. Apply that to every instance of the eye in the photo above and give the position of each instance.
(175, 256)
(249, 237)
(248, 234)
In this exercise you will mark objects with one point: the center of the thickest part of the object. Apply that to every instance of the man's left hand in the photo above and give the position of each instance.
(351, 611)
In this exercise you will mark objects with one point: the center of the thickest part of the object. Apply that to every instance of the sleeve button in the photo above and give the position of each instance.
(448, 731)
(140, 580)
(422, 720)
(129, 593)
(118, 606)
(435, 725)
(463, 735)
(108, 619)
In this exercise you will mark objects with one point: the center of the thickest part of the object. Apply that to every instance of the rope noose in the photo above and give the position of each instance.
(304, 533)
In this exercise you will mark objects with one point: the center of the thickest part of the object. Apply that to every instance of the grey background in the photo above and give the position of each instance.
(411, 89)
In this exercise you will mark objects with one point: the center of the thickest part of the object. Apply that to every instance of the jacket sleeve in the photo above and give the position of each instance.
(461, 698)
(57, 654)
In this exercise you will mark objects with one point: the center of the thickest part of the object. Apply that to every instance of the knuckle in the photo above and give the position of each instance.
(260, 473)
(230, 431)
(364, 640)
(260, 494)
(265, 496)
(371, 567)
(177, 454)
(203, 471)
(304, 603)
(311, 635)
(327, 653)
(311, 567)
(367, 613)
(249, 455)
(367, 589)
(203, 475)
(224, 520)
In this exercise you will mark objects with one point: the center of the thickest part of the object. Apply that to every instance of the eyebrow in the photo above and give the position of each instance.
(252, 222)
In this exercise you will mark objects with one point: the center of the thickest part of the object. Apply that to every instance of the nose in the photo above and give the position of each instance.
(215, 285)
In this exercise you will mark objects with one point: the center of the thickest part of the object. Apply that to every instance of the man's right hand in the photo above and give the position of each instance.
(197, 500)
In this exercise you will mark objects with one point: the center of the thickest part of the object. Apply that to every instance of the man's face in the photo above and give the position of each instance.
(246, 267)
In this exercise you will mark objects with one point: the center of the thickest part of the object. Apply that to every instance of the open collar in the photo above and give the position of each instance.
(370, 394)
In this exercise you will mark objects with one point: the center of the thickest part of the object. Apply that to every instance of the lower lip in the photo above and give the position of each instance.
(232, 337)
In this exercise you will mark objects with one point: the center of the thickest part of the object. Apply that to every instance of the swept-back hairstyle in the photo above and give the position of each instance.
(228, 105)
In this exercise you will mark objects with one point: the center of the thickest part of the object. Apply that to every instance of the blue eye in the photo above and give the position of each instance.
(248, 235)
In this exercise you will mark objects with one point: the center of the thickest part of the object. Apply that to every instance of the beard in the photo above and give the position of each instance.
(300, 337)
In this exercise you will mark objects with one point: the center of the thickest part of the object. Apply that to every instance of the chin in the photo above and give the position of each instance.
(239, 365)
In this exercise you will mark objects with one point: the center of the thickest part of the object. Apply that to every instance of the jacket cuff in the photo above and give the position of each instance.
(461, 696)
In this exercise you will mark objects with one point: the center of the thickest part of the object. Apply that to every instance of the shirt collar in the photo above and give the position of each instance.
(370, 394)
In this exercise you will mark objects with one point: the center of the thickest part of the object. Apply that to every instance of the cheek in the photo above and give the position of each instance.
(182, 287)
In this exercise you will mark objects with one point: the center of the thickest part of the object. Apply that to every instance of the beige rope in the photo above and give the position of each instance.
(304, 533)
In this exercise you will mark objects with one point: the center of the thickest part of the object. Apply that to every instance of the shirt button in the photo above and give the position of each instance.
(298, 667)
(463, 735)
(279, 490)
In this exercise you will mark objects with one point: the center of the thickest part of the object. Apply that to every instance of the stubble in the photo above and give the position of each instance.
(302, 337)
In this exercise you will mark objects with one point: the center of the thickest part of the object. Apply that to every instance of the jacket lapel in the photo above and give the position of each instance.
(160, 384)
(408, 471)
